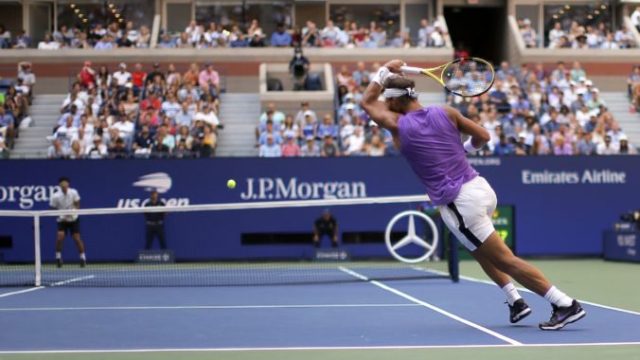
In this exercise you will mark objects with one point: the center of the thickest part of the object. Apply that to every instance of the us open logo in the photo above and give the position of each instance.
(160, 182)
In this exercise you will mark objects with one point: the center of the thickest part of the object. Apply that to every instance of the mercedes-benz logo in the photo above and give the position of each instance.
(411, 237)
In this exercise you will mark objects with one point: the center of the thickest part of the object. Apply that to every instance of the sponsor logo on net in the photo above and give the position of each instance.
(277, 188)
(588, 176)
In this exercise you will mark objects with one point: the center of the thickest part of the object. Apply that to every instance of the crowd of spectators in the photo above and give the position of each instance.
(533, 111)
(348, 34)
(346, 131)
(212, 35)
(98, 37)
(599, 36)
(15, 98)
(143, 113)
(577, 36)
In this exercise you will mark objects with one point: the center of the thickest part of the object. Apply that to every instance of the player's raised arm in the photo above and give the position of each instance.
(378, 110)
(479, 135)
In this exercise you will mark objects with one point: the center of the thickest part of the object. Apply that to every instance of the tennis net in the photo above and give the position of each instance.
(232, 244)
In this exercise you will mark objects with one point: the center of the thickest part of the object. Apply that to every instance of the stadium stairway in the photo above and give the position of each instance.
(618, 104)
(44, 112)
(239, 112)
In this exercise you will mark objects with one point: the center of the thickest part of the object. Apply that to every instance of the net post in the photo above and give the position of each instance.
(36, 247)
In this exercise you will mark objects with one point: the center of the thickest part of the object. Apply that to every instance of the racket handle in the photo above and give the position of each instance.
(411, 70)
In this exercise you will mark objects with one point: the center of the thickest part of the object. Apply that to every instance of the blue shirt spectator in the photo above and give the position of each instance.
(281, 38)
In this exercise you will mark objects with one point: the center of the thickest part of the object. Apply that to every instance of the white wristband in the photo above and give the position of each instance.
(381, 76)
(468, 146)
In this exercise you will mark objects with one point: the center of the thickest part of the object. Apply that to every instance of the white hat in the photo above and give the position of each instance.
(588, 83)
(526, 21)
(350, 106)
(622, 137)
(308, 113)
(522, 134)
(595, 90)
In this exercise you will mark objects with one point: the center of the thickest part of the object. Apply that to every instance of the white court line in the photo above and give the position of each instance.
(21, 291)
(489, 282)
(59, 283)
(206, 307)
(316, 348)
(432, 307)
(69, 281)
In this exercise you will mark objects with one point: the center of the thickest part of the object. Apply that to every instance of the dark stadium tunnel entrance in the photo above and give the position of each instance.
(480, 30)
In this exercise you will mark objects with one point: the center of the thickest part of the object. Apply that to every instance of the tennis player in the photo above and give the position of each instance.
(430, 140)
(66, 199)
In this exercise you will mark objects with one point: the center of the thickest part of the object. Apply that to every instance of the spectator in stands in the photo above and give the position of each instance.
(208, 142)
(5, 37)
(304, 111)
(23, 41)
(270, 132)
(209, 80)
(354, 144)
(143, 142)
(87, 76)
(208, 116)
(4, 150)
(56, 150)
(97, 150)
(105, 43)
(48, 43)
(290, 147)
(328, 127)
(310, 148)
(138, 77)
(121, 77)
(329, 147)
(311, 35)
(424, 33)
(607, 147)
(270, 148)
(290, 128)
(26, 75)
(7, 126)
(376, 147)
(528, 34)
(361, 76)
(625, 148)
(281, 38)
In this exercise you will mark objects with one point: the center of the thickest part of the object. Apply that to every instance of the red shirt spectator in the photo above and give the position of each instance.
(87, 76)
(290, 148)
(151, 102)
(138, 76)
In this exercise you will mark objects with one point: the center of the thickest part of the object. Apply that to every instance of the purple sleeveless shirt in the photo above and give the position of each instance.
(432, 145)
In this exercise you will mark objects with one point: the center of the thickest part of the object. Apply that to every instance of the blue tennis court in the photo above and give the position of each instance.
(358, 314)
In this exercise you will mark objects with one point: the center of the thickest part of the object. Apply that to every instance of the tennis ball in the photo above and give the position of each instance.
(231, 184)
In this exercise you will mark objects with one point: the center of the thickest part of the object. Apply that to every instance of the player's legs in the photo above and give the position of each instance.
(75, 234)
(59, 244)
(495, 255)
(500, 278)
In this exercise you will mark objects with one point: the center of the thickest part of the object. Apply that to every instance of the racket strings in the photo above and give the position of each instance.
(468, 77)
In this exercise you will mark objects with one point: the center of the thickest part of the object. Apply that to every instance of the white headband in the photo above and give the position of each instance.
(396, 93)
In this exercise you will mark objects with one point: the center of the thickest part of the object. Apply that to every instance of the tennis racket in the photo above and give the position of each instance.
(465, 77)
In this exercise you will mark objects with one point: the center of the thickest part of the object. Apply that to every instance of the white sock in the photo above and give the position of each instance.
(58, 255)
(558, 298)
(512, 293)
(83, 257)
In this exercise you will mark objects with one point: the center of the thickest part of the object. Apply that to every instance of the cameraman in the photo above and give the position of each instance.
(298, 67)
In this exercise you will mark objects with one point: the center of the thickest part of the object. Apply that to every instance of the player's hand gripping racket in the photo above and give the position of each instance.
(464, 77)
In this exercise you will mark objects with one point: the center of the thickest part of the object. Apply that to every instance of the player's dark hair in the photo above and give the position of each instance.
(399, 82)
(64, 178)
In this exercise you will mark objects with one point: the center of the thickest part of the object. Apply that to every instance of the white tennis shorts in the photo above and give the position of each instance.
(469, 215)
